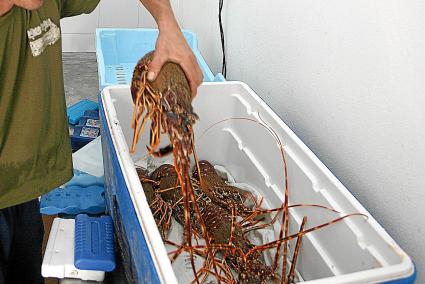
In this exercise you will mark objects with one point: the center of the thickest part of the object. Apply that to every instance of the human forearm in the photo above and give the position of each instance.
(162, 12)
(171, 44)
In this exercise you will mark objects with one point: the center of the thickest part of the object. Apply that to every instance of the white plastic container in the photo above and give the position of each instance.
(355, 250)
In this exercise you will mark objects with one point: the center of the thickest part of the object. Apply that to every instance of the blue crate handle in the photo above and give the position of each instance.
(94, 243)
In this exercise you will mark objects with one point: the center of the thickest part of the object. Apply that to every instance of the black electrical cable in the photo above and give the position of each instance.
(224, 66)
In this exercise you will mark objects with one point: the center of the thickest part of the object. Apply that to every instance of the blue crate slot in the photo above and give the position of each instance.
(76, 111)
(74, 200)
(118, 51)
(94, 243)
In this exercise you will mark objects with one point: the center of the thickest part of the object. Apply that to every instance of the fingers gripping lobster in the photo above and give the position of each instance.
(167, 102)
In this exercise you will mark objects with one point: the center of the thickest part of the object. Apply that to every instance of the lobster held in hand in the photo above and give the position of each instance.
(167, 102)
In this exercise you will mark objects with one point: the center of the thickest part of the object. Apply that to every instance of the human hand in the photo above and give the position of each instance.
(172, 46)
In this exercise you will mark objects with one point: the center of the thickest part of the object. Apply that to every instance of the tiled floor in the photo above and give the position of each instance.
(80, 76)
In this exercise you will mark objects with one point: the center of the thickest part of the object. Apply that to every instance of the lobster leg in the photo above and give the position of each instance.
(161, 152)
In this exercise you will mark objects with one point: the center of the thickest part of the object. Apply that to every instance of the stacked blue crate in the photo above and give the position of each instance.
(73, 200)
(83, 179)
(84, 193)
(76, 111)
(87, 129)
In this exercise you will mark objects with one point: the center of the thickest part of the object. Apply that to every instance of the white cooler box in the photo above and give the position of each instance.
(355, 250)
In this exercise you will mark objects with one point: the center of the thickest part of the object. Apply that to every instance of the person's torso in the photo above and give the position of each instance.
(33, 129)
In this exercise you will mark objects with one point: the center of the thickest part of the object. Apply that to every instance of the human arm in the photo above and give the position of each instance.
(171, 44)
(70, 8)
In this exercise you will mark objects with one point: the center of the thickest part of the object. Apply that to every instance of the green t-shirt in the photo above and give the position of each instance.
(35, 152)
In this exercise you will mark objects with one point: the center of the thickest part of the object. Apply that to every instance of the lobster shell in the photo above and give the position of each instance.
(171, 77)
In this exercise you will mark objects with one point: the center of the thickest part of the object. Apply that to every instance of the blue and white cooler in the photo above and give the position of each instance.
(355, 250)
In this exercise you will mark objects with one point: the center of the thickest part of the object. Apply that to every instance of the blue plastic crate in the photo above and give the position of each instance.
(84, 179)
(92, 113)
(219, 78)
(76, 111)
(74, 200)
(87, 129)
(118, 51)
(94, 243)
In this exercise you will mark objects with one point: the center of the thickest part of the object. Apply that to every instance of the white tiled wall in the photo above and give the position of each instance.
(119, 13)
(145, 19)
(78, 33)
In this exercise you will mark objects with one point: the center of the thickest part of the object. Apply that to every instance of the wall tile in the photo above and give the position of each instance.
(83, 24)
(78, 43)
(118, 14)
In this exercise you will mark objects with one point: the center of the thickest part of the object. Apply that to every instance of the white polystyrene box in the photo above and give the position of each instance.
(58, 261)
(355, 250)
